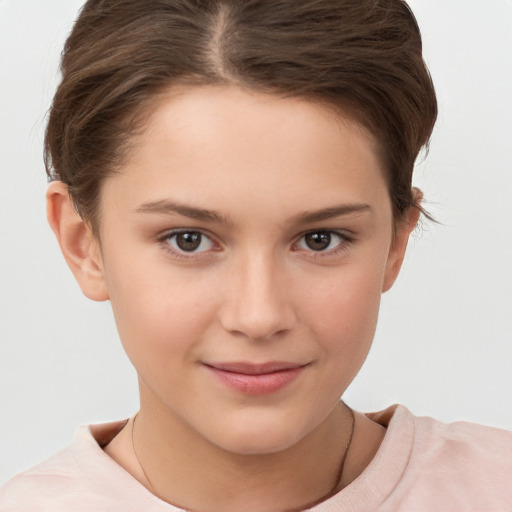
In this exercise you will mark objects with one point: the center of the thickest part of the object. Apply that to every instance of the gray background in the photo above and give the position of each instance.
(444, 342)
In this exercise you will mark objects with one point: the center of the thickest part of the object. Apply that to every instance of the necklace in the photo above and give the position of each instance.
(344, 456)
(323, 498)
(151, 486)
(339, 476)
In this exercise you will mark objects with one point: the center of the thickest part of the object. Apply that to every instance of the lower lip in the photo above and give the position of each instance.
(261, 384)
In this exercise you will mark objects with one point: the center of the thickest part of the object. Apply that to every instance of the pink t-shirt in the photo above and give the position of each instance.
(421, 465)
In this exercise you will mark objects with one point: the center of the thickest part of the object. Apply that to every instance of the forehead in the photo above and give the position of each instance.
(212, 144)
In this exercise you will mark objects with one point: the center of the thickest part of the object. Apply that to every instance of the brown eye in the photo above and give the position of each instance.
(318, 241)
(324, 241)
(189, 241)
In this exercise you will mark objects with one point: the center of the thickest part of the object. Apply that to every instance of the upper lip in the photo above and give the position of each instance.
(255, 368)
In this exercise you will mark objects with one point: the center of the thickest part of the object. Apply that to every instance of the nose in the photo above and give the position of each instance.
(259, 305)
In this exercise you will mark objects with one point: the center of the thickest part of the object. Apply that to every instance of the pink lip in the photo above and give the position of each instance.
(256, 379)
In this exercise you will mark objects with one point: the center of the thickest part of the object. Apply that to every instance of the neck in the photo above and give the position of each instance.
(183, 468)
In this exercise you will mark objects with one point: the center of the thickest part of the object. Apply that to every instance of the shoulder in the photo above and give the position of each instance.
(59, 475)
(463, 446)
(455, 466)
(460, 440)
(79, 477)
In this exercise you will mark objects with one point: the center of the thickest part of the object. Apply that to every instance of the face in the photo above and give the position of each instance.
(245, 245)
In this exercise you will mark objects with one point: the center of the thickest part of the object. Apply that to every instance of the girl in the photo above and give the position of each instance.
(235, 178)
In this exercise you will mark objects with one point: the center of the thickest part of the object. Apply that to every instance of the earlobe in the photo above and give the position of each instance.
(396, 254)
(78, 244)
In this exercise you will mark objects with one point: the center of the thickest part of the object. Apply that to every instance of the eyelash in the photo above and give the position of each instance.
(343, 245)
(166, 238)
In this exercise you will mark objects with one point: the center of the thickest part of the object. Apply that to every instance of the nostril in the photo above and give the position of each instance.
(257, 325)
(257, 305)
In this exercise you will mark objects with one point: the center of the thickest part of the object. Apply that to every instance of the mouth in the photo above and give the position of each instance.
(256, 379)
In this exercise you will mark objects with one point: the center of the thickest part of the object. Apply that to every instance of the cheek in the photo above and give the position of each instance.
(342, 313)
(347, 301)
(161, 318)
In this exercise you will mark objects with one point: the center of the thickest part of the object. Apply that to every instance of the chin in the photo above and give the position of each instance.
(258, 443)
(258, 437)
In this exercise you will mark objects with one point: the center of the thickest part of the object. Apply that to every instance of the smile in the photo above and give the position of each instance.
(256, 379)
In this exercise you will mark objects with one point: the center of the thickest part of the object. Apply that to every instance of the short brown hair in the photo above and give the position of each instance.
(361, 56)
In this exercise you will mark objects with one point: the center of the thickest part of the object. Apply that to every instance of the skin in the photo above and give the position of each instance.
(254, 291)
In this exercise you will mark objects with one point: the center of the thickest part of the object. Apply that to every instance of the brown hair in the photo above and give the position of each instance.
(361, 56)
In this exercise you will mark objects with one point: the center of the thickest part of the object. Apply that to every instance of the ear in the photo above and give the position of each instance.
(79, 246)
(403, 230)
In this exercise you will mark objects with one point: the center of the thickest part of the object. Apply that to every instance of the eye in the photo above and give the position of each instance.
(189, 241)
(321, 241)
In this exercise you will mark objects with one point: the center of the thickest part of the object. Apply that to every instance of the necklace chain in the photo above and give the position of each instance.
(339, 475)
(151, 486)
(328, 495)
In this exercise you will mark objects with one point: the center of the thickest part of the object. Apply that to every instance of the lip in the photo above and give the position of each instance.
(256, 379)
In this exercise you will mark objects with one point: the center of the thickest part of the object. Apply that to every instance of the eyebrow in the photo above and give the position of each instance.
(331, 212)
(170, 207)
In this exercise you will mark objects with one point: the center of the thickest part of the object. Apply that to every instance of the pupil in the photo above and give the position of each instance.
(188, 241)
(318, 241)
